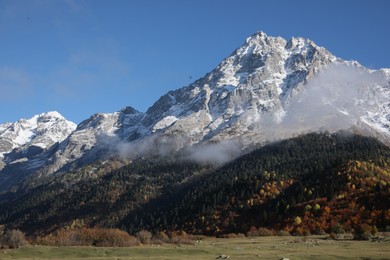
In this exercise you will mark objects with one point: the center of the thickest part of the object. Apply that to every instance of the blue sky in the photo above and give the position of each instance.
(80, 57)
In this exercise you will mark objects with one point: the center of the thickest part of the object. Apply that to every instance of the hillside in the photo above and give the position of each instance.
(321, 178)
(346, 175)
(99, 194)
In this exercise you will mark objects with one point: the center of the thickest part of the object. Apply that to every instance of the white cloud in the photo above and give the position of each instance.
(336, 98)
(340, 97)
(215, 153)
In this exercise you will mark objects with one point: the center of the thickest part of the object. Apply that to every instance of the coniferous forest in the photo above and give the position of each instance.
(313, 183)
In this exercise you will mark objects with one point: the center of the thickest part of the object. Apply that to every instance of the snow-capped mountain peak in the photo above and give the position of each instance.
(259, 77)
(269, 88)
(386, 73)
(41, 131)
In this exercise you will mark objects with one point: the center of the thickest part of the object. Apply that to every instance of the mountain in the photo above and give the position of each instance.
(346, 175)
(40, 131)
(93, 139)
(259, 86)
(27, 139)
(268, 89)
(230, 102)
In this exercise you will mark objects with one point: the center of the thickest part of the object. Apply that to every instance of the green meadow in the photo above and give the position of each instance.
(314, 247)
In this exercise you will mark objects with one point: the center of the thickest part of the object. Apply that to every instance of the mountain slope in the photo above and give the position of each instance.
(268, 89)
(229, 102)
(272, 185)
(93, 139)
(40, 131)
(259, 93)
(172, 194)
(99, 194)
(22, 141)
(258, 87)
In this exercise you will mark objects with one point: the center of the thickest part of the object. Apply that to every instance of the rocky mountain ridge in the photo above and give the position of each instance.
(267, 89)
(28, 137)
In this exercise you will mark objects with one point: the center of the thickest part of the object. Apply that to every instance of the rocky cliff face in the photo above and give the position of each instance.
(94, 138)
(260, 77)
(269, 88)
(256, 90)
(23, 141)
(28, 137)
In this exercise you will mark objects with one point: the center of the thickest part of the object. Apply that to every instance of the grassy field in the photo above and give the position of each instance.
(211, 248)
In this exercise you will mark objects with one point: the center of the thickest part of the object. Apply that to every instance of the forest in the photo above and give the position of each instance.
(311, 184)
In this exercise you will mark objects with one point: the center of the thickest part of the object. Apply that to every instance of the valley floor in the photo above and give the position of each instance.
(314, 247)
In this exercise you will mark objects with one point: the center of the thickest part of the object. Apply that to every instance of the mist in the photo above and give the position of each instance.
(215, 153)
(168, 146)
(154, 145)
(338, 98)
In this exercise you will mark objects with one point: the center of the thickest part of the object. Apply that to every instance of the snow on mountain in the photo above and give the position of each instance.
(253, 92)
(40, 131)
(27, 139)
(259, 77)
(94, 138)
(269, 88)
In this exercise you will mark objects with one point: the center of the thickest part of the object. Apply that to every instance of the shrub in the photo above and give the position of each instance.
(181, 237)
(317, 207)
(182, 234)
(91, 237)
(186, 241)
(364, 236)
(14, 239)
(252, 232)
(157, 241)
(114, 238)
(162, 237)
(265, 232)
(318, 231)
(362, 232)
(298, 231)
(374, 230)
(261, 231)
(144, 236)
(180, 240)
(297, 221)
(283, 233)
(337, 229)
